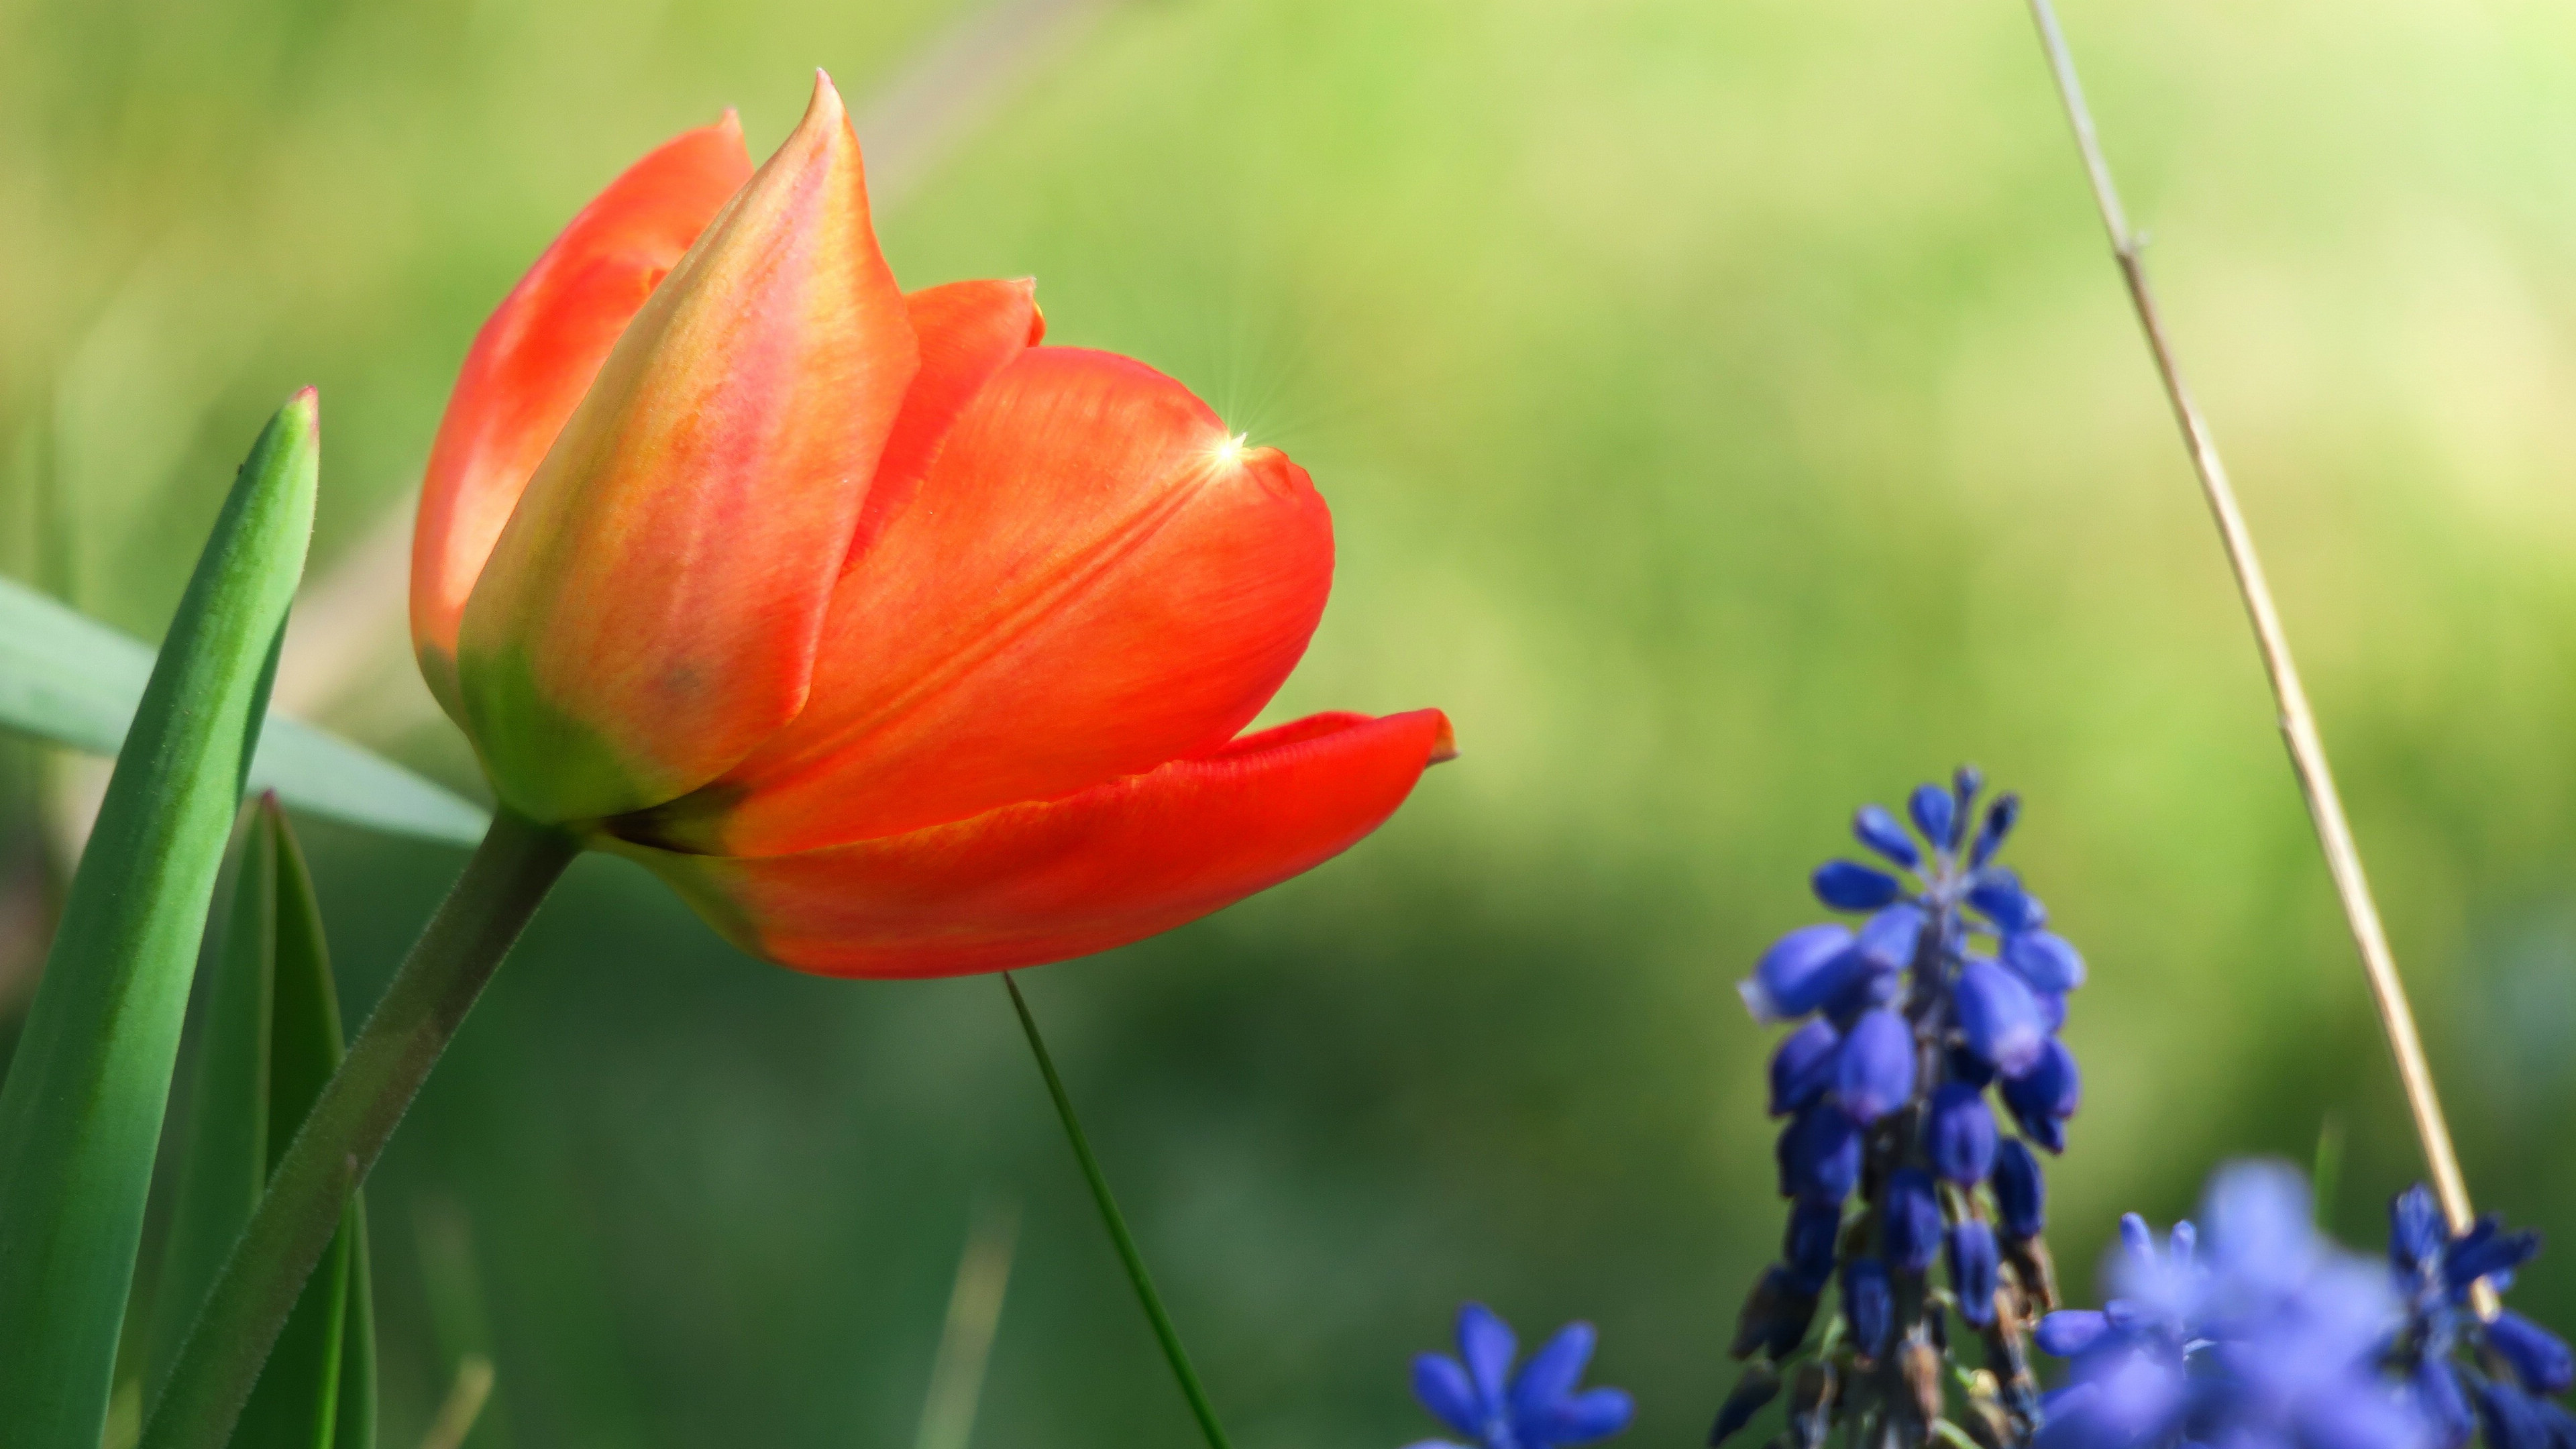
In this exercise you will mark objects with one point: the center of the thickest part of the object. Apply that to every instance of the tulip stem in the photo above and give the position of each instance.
(510, 872)
(1117, 1224)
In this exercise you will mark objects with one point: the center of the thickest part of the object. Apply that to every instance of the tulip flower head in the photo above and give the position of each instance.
(899, 644)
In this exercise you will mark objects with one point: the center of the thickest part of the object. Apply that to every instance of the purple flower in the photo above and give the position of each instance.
(2443, 1341)
(2265, 1336)
(1478, 1396)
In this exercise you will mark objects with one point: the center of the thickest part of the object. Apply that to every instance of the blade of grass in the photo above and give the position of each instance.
(80, 1114)
(1116, 1222)
(464, 1404)
(966, 1341)
(2298, 719)
(67, 678)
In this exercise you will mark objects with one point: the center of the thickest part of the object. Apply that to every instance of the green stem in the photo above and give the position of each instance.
(511, 871)
(1109, 1214)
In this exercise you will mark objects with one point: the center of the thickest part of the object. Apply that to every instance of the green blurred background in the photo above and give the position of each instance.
(1730, 416)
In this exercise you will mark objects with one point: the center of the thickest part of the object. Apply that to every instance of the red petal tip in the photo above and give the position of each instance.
(1444, 745)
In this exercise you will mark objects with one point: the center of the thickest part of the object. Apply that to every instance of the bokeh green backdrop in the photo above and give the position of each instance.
(1729, 414)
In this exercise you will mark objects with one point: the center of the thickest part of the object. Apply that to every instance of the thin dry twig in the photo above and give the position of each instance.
(2298, 721)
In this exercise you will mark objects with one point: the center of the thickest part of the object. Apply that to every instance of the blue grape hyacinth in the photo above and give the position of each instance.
(2461, 1371)
(2260, 1334)
(1479, 1397)
(1917, 1032)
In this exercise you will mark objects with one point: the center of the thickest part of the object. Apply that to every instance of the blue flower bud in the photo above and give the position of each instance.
(2051, 1089)
(1819, 1156)
(1962, 1134)
(2021, 1193)
(1999, 1018)
(2444, 1407)
(2052, 1010)
(2512, 1420)
(2070, 1331)
(1848, 885)
(1965, 782)
(1936, 814)
(2486, 1250)
(1998, 893)
(1910, 1221)
(1869, 1305)
(1889, 939)
(1874, 1072)
(1814, 1232)
(2539, 1357)
(1973, 1264)
(1802, 1067)
(2417, 1232)
(1865, 990)
(1877, 829)
(1759, 1386)
(2000, 819)
(2044, 960)
(2048, 1132)
(1800, 970)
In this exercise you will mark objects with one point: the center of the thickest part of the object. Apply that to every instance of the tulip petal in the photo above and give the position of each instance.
(1094, 579)
(535, 358)
(652, 610)
(968, 332)
(1043, 881)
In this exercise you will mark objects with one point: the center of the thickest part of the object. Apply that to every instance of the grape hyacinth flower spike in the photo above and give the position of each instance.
(2462, 1372)
(1918, 1032)
(2259, 1335)
(1478, 1396)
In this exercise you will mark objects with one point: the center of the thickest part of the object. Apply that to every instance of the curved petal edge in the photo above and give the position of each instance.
(1048, 880)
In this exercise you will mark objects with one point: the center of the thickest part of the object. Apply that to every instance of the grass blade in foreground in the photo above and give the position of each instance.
(1116, 1221)
(68, 678)
(271, 1038)
(80, 1115)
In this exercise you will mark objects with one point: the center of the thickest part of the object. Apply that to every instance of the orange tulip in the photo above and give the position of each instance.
(899, 644)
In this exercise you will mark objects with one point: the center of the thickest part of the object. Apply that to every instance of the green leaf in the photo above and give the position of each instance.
(270, 1038)
(80, 1114)
(70, 679)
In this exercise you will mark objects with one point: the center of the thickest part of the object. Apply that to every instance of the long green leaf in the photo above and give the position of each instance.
(80, 1115)
(68, 678)
(269, 1039)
